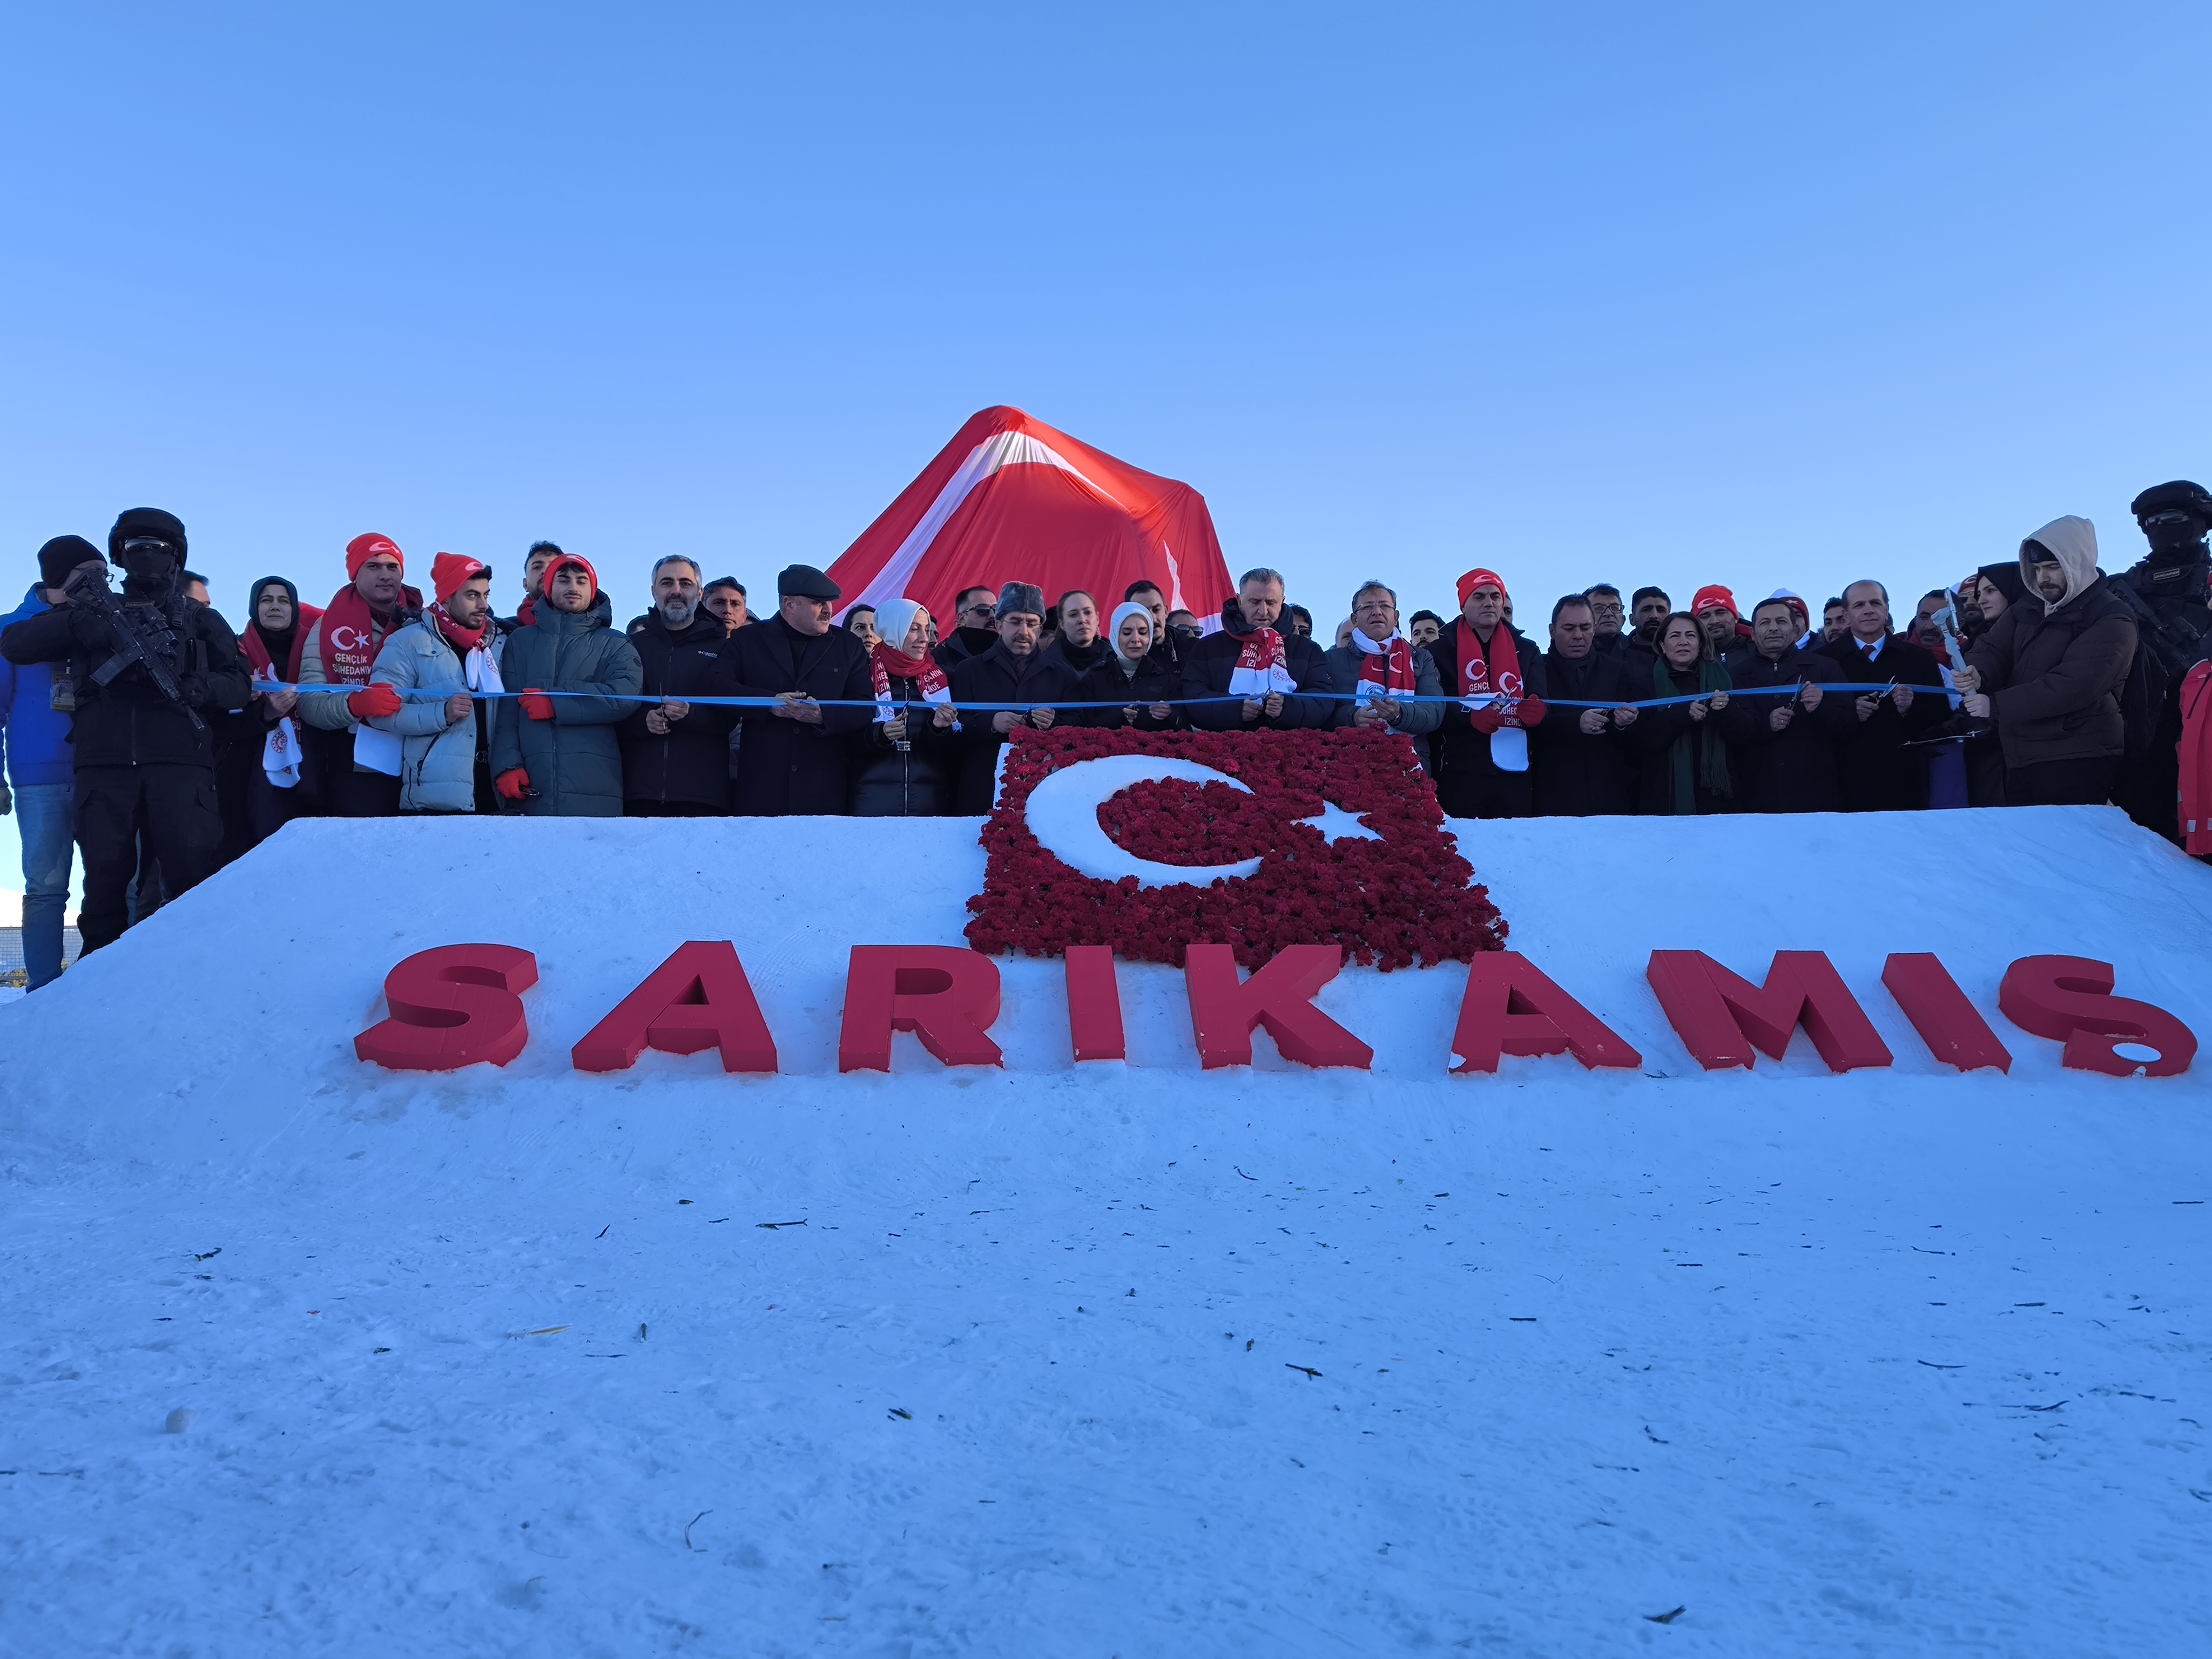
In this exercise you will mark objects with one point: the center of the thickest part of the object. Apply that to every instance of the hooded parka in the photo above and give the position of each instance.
(574, 759)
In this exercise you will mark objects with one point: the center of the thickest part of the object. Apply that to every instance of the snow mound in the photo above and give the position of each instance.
(301, 1356)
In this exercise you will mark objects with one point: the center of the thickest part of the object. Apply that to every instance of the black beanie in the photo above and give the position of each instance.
(61, 555)
(146, 521)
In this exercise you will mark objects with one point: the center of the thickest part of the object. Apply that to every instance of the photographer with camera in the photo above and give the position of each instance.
(148, 673)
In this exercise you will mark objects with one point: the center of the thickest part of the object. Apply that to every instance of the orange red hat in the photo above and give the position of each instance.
(1711, 595)
(1476, 578)
(362, 549)
(449, 570)
(580, 563)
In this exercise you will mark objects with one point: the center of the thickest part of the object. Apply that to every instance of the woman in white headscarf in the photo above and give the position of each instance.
(902, 761)
(1135, 687)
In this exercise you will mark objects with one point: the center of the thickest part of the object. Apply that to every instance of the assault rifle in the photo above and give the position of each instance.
(91, 591)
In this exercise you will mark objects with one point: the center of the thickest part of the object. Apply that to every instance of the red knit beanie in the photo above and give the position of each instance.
(582, 564)
(1475, 578)
(362, 549)
(449, 570)
(1712, 595)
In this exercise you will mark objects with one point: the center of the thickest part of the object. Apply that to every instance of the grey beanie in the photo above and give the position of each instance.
(1026, 598)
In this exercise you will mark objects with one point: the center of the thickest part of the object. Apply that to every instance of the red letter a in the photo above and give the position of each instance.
(945, 995)
(698, 998)
(1720, 1017)
(1279, 997)
(1512, 1007)
(452, 1007)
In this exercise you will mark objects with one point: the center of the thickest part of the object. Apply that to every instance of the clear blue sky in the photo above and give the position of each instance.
(1757, 294)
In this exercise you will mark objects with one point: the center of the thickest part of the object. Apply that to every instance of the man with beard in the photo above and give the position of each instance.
(676, 757)
(1255, 670)
(2170, 594)
(1647, 610)
(341, 650)
(140, 755)
(1582, 766)
(1785, 756)
(450, 660)
(794, 756)
(1017, 669)
(974, 628)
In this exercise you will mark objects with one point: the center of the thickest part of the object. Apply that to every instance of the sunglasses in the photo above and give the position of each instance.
(2155, 518)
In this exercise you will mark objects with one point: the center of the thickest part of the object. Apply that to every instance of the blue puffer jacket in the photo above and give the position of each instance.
(574, 759)
(36, 738)
(438, 762)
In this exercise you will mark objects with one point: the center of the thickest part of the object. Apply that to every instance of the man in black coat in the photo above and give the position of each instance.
(1784, 758)
(1015, 670)
(1483, 657)
(140, 756)
(676, 757)
(1296, 693)
(1581, 766)
(974, 628)
(1876, 772)
(794, 756)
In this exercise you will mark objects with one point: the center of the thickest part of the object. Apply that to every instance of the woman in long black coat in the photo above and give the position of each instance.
(903, 763)
(1134, 688)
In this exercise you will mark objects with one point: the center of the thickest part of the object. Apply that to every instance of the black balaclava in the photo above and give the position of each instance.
(150, 572)
(2175, 540)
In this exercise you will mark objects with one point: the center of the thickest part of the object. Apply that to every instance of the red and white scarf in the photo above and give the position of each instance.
(351, 638)
(479, 668)
(1386, 667)
(886, 664)
(261, 665)
(1262, 668)
(1493, 698)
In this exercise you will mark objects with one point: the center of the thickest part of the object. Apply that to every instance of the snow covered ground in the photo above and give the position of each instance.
(1128, 1359)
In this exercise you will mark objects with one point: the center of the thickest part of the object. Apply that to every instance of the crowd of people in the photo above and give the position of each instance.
(141, 729)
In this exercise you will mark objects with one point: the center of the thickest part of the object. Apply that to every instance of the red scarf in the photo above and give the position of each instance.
(351, 638)
(258, 659)
(1263, 666)
(525, 613)
(1391, 668)
(1478, 680)
(886, 664)
(462, 639)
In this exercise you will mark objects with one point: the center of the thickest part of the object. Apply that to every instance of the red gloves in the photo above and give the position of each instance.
(373, 700)
(512, 784)
(537, 704)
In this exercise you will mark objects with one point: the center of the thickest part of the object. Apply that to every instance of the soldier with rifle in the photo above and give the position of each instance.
(148, 672)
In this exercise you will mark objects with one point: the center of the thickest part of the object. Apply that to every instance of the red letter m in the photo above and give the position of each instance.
(1721, 1018)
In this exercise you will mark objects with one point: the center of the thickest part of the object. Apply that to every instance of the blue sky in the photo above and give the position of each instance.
(1761, 295)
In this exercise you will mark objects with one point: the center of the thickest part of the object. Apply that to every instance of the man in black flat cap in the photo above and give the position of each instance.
(794, 756)
(2170, 594)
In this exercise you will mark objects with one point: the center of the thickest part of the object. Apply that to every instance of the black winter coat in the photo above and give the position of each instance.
(1457, 745)
(1108, 691)
(962, 645)
(1208, 663)
(912, 782)
(1792, 770)
(999, 676)
(1653, 737)
(1576, 774)
(690, 766)
(786, 766)
(1877, 774)
(2054, 681)
(129, 721)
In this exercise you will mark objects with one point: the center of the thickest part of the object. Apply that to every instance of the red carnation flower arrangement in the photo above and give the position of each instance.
(1393, 902)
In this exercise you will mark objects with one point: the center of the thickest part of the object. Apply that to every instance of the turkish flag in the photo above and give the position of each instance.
(1150, 842)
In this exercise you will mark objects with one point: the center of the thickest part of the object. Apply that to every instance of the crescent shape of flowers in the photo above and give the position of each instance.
(1063, 815)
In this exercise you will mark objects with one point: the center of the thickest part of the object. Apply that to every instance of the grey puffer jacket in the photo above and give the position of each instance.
(438, 762)
(574, 759)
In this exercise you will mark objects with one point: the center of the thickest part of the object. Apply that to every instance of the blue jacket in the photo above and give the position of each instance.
(35, 740)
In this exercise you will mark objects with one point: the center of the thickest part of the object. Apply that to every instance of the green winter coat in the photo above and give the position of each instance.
(574, 759)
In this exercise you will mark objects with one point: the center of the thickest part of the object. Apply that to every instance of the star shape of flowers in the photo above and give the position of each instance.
(1336, 825)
